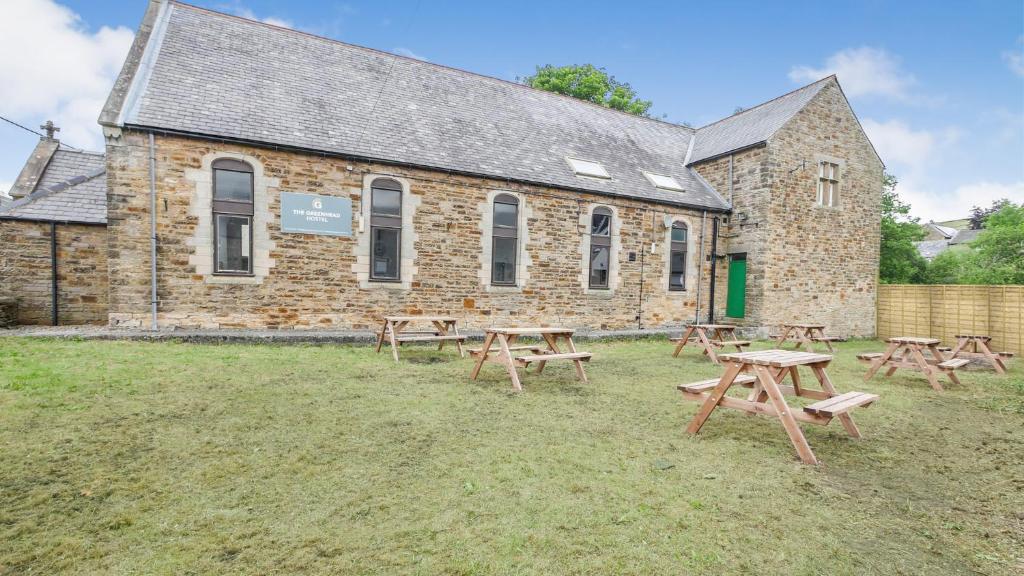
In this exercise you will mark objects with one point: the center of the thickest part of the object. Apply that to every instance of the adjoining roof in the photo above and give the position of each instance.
(753, 125)
(944, 230)
(964, 236)
(72, 188)
(929, 249)
(215, 75)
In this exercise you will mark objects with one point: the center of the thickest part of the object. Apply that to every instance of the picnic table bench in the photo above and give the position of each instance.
(977, 346)
(908, 352)
(394, 331)
(506, 338)
(709, 337)
(770, 368)
(805, 335)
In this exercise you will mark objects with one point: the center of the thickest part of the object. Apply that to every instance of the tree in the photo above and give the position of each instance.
(899, 260)
(589, 83)
(979, 215)
(998, 251)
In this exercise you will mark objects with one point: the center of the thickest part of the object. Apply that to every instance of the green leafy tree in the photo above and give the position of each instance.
(589, 83)
(998, 252)
(899, 260)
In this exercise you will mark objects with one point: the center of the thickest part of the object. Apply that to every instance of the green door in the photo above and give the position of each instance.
(736, 299)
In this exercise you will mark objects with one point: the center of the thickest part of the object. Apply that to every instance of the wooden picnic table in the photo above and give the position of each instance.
(708, 337)
(805, 335)
(506, 338)
(977, 346)
(770, 368)
(394, 331)
(909, 352)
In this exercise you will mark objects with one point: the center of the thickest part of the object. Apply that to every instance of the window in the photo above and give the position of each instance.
(600, 247)
(677, 258)
(588, 168)
(504, 240)
(828, 184)
(385, 229)
(232, 217)
(665, 182)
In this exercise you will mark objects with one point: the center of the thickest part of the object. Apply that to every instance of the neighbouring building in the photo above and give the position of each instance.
(940, 237)
(299, 182)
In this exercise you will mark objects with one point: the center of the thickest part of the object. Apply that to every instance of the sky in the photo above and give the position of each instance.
(938, 86)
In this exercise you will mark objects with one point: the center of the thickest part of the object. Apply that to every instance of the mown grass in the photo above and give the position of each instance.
(163, 458)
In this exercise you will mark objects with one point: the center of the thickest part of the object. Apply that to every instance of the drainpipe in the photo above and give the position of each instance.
(152, 228)
(53, 274)
(714, 261)
(700, 263)
(640, 299)
(730, 180)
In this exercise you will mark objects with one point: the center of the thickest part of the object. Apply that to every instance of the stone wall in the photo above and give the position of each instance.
(25, 271)
(825, 268)
(314, 281)
(805, 262)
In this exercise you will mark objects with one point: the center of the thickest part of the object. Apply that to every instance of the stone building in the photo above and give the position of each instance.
(299, 182)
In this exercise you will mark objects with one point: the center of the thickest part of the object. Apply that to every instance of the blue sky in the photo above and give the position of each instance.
(939, 86)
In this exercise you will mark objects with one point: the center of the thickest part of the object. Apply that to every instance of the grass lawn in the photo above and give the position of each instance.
(165, 458)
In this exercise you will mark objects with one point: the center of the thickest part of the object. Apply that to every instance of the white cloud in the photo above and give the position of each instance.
(1015, 58)
(5, 187)
(863, 71)
(899, 144)
(67, 79)
(409, 54)
(930, 206)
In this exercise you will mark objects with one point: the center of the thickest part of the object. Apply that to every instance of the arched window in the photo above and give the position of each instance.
(504, 240)
(232, 216)
(600, 247)
(385, 229)
(677, 258)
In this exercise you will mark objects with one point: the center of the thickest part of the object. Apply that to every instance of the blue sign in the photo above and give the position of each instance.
(316, 214)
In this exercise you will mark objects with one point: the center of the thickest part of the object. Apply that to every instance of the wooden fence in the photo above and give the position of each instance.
(943, 311)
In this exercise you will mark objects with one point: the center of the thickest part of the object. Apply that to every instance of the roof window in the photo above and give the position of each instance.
(588, 168)
(664, 182)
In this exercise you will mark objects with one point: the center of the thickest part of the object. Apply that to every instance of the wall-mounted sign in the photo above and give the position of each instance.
(316, 214)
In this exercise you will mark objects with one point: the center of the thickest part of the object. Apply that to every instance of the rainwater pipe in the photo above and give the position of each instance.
(152, 229)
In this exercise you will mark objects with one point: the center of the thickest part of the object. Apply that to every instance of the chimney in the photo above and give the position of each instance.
(30, 174)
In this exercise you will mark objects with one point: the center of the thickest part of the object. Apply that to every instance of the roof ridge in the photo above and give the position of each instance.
(41, 193)
(65, 148)
(766, 102)
(429, 63)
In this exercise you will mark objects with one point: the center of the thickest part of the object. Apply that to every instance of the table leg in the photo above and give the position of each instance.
(826, 384)
(929, 372)
(714, 398)
(682, 341)
(380, 337)
(961, 343)
(881, 360)
(805, 340)
(506, 354)
(796, 436)
(579, 363)
(703, 337)
(442, 330)
(784, 333)
(488, 340)
(392, 336)
(458, 343)
(552, 346)
(992, 357)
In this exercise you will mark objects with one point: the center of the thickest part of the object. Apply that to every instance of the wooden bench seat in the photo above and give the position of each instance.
(943, 348)
(840, 404)
(494, 350)
(705, 385)
(1005, 354)
(404, 338)
(724, 343)
(680, 339)
(528, 358)
(827, 339)
(953, 364)
(869, 356)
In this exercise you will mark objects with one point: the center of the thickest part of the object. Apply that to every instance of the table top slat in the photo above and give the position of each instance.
(913, 340)
(713, 326)
(423, 318)
(776, 358)
(538, 330)
(787, 325)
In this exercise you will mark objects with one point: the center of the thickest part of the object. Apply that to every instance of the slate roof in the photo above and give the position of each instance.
(209, 74)
(753, 125)
(931, 248)
(964, 236)
(73, 188)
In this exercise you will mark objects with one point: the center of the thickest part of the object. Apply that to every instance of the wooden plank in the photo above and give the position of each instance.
(584, 356)
(742, 380)
(841, 404)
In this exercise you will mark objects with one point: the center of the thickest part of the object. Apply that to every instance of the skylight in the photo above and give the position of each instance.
(662, 181)
(587, 168)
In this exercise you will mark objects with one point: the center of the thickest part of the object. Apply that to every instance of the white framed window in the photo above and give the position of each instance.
(588, 168)
(828, 184)
(663, 182)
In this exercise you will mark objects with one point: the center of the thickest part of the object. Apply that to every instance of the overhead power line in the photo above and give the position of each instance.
(41, 135)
